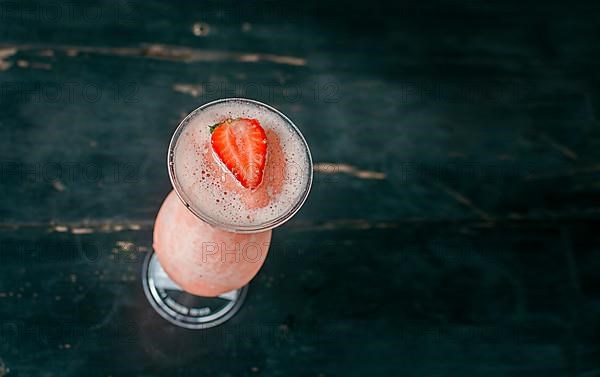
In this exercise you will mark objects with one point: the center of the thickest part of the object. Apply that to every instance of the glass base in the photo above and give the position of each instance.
(185, 309)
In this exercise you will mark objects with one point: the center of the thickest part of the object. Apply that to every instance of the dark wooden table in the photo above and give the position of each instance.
(453, 225)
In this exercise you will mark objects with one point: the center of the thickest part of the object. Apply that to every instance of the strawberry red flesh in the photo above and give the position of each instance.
(241, 145)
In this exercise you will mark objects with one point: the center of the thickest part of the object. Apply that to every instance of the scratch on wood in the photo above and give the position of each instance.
(112, 227)
(82, 230)
(353, 224)
(344, 224)
(279, 59)
(83, 227)
(108, 227)
(33, 65)
(192, 90)
(464, 201)
(333, 168)
(168, 52)
(58, 185)
(6, 52)
(200, 29)
(566, 151)
(124, 245)
(512, 220)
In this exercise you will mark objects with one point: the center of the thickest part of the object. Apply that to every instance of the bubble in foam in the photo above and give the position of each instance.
(220, 198)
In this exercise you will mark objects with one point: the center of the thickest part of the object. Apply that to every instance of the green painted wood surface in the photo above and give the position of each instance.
(453, 225)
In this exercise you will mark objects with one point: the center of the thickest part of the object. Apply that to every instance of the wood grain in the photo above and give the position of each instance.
(452, 225)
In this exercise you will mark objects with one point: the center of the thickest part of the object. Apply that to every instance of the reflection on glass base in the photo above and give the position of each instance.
(185, 309)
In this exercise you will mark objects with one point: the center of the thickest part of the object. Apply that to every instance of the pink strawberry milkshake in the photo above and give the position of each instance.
(212, 234)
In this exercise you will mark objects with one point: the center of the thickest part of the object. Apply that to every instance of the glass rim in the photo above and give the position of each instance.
(236, 228)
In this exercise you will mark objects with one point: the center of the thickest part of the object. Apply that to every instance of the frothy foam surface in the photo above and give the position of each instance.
(212, 191)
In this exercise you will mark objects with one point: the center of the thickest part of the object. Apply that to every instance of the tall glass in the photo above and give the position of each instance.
(204, 256)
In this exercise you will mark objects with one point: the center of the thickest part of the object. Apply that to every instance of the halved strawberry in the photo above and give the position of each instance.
(241, 145)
